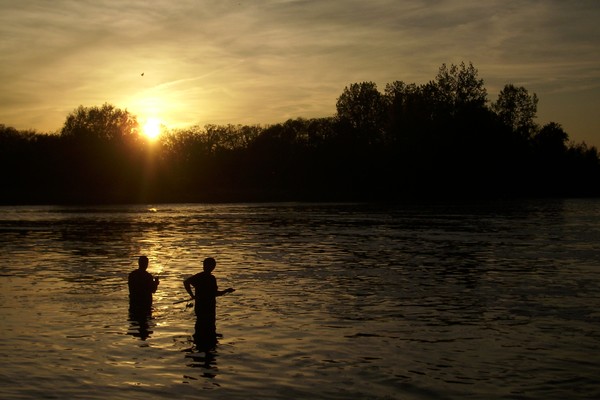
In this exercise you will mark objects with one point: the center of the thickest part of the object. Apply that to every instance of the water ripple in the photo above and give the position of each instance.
(333, 301)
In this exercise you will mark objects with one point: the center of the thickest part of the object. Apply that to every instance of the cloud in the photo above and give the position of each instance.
(268, 60)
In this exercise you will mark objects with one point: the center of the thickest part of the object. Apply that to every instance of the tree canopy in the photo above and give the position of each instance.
(517, 109)
(441, 139)
(101, 123)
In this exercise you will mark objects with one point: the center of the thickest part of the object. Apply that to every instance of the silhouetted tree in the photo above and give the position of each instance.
(105, 144)
(408, 112)
(458, 87)
(517, 109)
(363, 108)
(551, 139)
(435, 139)
(104, 123)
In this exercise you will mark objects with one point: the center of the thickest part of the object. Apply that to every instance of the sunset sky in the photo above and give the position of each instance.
(265, 61)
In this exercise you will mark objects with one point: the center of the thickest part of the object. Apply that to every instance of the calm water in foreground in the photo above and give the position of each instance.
(494, 301)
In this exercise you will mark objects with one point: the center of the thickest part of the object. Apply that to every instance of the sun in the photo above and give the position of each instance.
(151, 128)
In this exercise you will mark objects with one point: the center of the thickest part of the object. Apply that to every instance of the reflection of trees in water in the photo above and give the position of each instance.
(393, 255)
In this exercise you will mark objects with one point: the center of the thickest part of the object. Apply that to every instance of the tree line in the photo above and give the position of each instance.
(438, 140)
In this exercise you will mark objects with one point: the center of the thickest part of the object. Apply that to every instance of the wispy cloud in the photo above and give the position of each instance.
(267, 60)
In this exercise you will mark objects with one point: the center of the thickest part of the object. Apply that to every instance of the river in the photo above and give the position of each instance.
(495, 300)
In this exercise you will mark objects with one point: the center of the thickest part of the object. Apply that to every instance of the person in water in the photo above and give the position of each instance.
(141, 286)
(206, 292)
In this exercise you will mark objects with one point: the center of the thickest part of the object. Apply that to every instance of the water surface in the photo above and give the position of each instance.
(333, 301)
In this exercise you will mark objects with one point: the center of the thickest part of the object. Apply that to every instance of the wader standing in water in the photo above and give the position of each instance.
(141, 286)
(206, 292)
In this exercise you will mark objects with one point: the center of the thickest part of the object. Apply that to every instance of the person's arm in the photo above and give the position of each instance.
(188, 287)
(222, 292)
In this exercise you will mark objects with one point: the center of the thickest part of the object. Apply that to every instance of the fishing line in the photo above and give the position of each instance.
(170, 258)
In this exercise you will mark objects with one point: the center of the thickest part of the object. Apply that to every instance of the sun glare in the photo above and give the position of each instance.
(151, 128)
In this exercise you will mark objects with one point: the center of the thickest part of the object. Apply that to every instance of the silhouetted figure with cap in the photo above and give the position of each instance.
(206, 293)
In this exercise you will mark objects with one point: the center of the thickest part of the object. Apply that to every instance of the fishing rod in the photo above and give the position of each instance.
(230, 290)
(183, 301)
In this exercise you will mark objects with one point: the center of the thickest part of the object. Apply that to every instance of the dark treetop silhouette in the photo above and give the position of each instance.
(441, 139)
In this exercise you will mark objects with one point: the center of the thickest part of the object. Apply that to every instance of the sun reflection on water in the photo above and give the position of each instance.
(361, 303)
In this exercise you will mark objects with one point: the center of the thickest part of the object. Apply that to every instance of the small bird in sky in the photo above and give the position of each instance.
(143, 73)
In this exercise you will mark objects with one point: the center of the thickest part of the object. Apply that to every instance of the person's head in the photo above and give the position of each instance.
(209, 264)
(143, 262)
